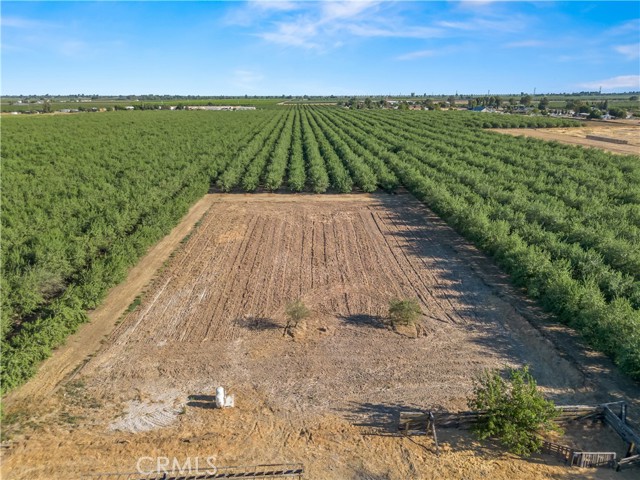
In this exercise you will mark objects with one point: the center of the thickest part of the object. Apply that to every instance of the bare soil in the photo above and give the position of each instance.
(328, 392)
(619, 130)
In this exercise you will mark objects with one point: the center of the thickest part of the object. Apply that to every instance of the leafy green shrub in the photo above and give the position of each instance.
(515, 412)
(296, 312)
(403, 312)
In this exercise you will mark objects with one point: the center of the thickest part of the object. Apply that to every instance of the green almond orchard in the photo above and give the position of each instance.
(84, 196)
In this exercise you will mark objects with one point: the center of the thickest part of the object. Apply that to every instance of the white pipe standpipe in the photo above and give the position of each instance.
(220, 397)
(223, 400)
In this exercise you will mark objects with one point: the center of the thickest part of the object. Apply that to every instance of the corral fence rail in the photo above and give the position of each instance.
(562, 452)
(280, 470)
(608, 139)
(411, 423)
(627, 462)
(593, 459)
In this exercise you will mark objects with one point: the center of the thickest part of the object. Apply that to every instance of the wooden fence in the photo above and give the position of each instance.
(573, 413)
(416, 422)
(562, 452)
(627, 462)
(593, 459)
(607, 139)
(619, 424)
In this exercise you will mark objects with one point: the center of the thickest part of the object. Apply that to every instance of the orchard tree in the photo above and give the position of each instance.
(618, 112)
(595, 114)
(543, 104)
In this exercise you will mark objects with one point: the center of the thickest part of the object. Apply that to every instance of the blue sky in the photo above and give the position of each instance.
(317, 48)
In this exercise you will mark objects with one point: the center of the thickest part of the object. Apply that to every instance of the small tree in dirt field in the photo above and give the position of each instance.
(296, 312)
(403, 312)
(515, 412)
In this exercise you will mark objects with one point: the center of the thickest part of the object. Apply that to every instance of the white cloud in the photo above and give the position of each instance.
(82, 49)
(73, 48)
(417, 54)
(457, 25)
(280, 6)
(24, 23)
(471, 4)
(322, 26)
(246, 79)
(525, 44)
(630, 27)
(344, 10)
(510, 24)
(396, 32)
(293, 34)
(623, 81)
(255, 11)
(630, 51)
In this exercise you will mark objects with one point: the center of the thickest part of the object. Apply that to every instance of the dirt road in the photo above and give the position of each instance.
(578, 136)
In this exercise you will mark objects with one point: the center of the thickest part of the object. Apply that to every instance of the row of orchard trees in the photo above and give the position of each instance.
(83, 198)
(563, 221)
(301, 149)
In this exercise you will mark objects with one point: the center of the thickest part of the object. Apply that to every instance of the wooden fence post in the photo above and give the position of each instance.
(433, 428)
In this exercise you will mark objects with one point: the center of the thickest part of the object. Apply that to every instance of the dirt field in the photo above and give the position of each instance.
(328, 394)
(628, 130)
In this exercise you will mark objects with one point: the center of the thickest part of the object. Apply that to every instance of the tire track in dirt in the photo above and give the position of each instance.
(201, 267)
(426, 258)
(442, 241)
(222, 275)
(359, 268)
(275, 263)
(290, 288)
(277, 291)
(243, 265)
(370, 231)
(207, 270)
(341, 260)
(408, 270)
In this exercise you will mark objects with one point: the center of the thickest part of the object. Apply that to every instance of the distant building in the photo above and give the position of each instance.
(218, 107)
